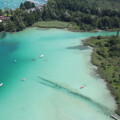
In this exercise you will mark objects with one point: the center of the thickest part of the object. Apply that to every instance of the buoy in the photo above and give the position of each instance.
(23, 79)
(14, 61)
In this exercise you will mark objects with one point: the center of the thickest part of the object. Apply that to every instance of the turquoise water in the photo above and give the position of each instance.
(51, 87)
(12, 4)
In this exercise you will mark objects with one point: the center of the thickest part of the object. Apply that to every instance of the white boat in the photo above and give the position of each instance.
(1, 84)
(41, 56)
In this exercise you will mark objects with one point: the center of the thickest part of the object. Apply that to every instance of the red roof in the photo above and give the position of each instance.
(2, 16)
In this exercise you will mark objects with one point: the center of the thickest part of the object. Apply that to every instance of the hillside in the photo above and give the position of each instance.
(86, 15)
(103, 4)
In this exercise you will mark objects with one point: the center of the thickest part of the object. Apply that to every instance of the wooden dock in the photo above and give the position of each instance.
(114, 117)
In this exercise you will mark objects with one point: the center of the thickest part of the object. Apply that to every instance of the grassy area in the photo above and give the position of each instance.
(106, 56)
(57, 24)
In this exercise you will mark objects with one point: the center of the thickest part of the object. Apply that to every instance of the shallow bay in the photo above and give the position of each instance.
(51, 89)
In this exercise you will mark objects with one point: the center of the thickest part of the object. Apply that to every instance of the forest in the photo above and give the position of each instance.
(85, 14)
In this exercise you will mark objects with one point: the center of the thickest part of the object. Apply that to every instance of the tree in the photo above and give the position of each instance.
(67, 16)
(117, 32)
(1, 27)
(27, 4)
(11, 12)
(115, 22)
(22, 6)
(46, 14)
(33, 5)
(104, 22)
(30, 19)
(7, 11)
(38, 15)
(10, 26)
(1, 13)
(19, 23)
(18, 12)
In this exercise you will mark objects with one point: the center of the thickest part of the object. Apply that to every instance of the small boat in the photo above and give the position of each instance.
(41, 56)
(81, 87)
(23, 78)
(1, 84)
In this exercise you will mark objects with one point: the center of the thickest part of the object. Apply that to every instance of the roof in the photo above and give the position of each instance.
(4, 18)
(31, 9)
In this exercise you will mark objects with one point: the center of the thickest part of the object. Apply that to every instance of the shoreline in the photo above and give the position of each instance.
(101, 74)
(61, 25)
(70, 26)
(57, 25)
(109, 86)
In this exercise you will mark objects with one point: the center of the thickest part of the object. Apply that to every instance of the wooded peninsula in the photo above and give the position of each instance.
(106, 56)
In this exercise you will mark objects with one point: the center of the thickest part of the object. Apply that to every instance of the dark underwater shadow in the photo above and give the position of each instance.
(3, 35)
(7, 47)
(79, 47)
(101, 108)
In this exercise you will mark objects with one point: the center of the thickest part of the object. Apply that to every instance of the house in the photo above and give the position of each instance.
(4, 18)
(40, 8)
(31, 10)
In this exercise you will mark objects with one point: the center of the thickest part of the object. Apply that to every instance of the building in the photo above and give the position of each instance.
(31, 10)
(4, 18)
(40, 8)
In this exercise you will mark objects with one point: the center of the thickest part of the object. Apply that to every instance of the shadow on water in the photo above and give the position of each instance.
(80, 47)
(7, 47)
(3, 35)
(95, 105)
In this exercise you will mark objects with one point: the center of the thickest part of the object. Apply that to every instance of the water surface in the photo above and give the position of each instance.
(12, 4)
(51, 89)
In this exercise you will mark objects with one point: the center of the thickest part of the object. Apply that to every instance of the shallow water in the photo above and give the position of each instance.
(12, 4)
(51, 89)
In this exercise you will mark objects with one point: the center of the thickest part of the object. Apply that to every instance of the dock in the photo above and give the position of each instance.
(112, 116)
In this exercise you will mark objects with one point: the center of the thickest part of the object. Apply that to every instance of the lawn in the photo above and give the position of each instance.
(56, 24)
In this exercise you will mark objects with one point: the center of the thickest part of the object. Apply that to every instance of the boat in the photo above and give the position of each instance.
(41, 56)
(23, 78)
(81, 87)
(1, 84)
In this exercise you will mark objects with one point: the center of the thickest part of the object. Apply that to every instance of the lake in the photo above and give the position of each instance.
(12, 4)
(51, 89)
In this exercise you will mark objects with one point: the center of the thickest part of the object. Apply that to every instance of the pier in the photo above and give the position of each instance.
(114, 117)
